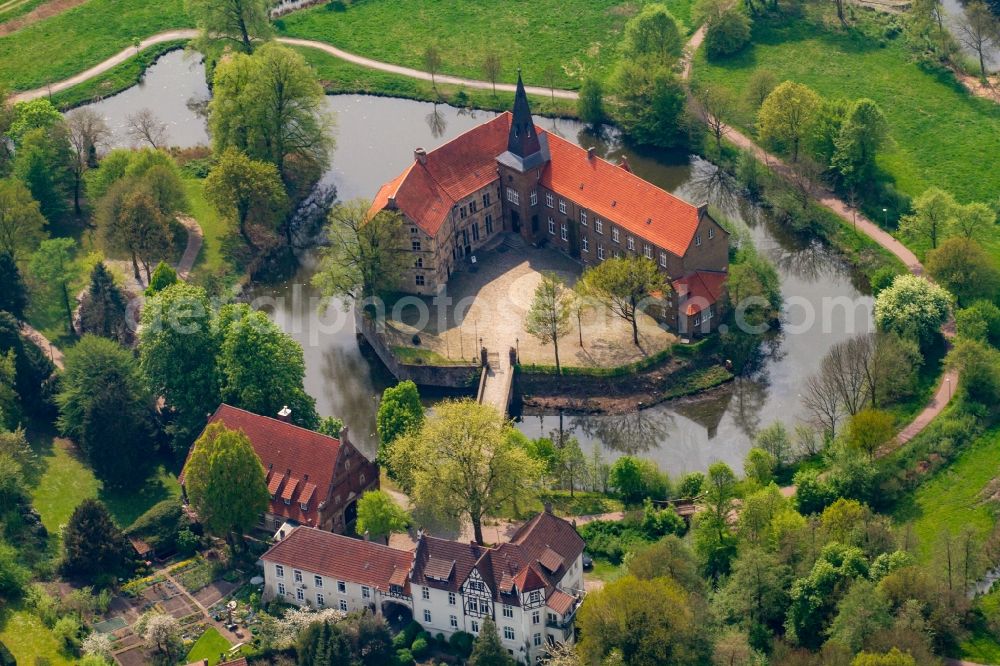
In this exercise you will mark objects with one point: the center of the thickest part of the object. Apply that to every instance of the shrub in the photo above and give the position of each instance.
(161, 525)
(461, 643)
(419, 647)
(404, 657)
(727, 33)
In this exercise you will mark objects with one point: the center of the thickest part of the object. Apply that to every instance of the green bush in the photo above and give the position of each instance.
(419, 647)
(160, 525)
(404, 657)
(461, 643)
(727, 34)
(612, 540)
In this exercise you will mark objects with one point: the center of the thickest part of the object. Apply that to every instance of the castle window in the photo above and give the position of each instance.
(585, 244)
(419, 263)
(474, 626)
(537, 640)
(472, 206)
(415, 245)
(320, 601)
(549, 201)
(475, 231)
(536, 618)
(318, 581)
(513, 196)
(631, 243)
(552, 227)
(598, 225)
(563, 231)
(343, 605)
(508, 611)
(300, 595)
(341, 587)
(648, 251)
(663, 259)
(486, 199)
(366, 592)
(425, 593)
(697, 320)
(583, 217)
(419, 280)
(489, 224)
(562, 206)
(600, 252)
(711, 233)
(413, 230)
(461, 212)
(614, 235)
(508, 633)
(534, 197)
(279, 571)
(697, 239)
(454, 622)
(451, 598)
(281, 589)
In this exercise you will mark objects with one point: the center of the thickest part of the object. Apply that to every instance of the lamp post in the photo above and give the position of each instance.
(885, 216)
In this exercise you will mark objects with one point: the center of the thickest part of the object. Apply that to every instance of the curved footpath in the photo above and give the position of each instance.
(826, 197)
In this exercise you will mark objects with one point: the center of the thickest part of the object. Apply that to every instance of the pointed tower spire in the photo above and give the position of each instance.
(523, 139)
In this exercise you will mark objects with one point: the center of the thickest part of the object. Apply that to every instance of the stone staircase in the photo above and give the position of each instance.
(514, 242)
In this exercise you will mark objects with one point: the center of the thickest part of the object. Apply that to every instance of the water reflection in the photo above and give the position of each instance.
(375, 141)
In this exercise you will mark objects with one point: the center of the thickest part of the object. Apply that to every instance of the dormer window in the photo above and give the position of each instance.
(288, 501)
(304, 507)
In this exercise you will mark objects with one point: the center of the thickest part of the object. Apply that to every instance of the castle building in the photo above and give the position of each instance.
(508, 175)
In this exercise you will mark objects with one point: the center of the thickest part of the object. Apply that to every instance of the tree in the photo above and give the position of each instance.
(32, 367)
(367, 255)
(87, 133)
(651, 622)
(218, 458)
(177, 354)
(788, 115)
(775, 441)
(975, 221)
(270, 106)
(650, 102)
(863, 133)
(491, 69)
(22, 225)
(399, 413)
(869, 430)
(163, 633)
(14, 295)
(755, 595)
(727, 33)
(590, 103)
(977, 29)
(32, 115)
(146, 231)
(323, 643)
(261, 367)
(571, 464)
(860, 614)
(432, 62)
(234, 22)
(549, 75)
(964, 268)
(331, 426)
(891, 658)
(103, 405)
(144, 127)
(548, 314)
(980, 321)
(93, 546)
(163, 276)
(103, 309)
(13, 576)
(912, 307)
(380, 516)
(43, 162)
(462, 462)
(248, 193)
(933, 216)
(625, 285)
(758, 466)
(487, 649)
(53, 265)
(760, 84)
(652, 33)
(979, 366)
(714, 102)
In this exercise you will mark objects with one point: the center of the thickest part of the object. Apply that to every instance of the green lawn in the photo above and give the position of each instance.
(13, 8)
(942, 136)
(214, 228)
(70, 42)
(61, 480)
(952, 499)
(575, 37)
(28, 639)
(209, 646)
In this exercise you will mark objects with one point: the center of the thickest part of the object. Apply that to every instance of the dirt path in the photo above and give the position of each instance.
(39, 13)
(43, 343)
(195, 239)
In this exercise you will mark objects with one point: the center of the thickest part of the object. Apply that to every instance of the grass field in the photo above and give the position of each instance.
(941, 135)
(574, 37)
(30, 641)
(209, 646)
(69, 43)
(10, 9)
(61, 480)
(213, 228)
(952, 499)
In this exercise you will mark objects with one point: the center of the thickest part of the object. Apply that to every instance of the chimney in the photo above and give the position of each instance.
(343, 435)
(623, 163)
(367, 535)
(420, 155)
(285, 414)
(548, 507)
(590, 153)
(702, 209)
(391, 203)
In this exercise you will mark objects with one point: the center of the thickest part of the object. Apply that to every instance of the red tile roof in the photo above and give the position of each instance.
(701, 289)
(551, 560)
(341, 558)
(616, 194)
(560, 602)
(427, 190)
(242, 661)
(299, 463)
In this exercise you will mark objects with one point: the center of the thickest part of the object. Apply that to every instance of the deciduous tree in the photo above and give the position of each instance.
(399, 412)
(87, 134)
(367, 256)
(247, 192)
(163, 633)
(975, 221)
(912, 307)
(625, 285)
(933, 216)
(53, 265)
(714, 103)
(43, 162)
(652, 33)
(225, 482)
(548, 314)
(379, 515)
(145, 127)
(650, 102)
(491, 69)
(234, 22)
(22, 225)
(14, 295)
(964, 268)
(863, 133)
(590, 104)
(788, 115)
(462, 463)
(978, 29)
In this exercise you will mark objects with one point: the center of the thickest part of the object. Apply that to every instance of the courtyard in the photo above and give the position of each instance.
(489, 301)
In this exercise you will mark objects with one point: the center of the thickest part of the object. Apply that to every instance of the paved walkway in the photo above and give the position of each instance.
(195, 239)
(43, 343)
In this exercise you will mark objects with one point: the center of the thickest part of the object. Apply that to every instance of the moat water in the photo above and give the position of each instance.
(375, 141)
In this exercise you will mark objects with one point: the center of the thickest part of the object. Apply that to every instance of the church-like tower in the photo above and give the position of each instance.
(520, 167)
